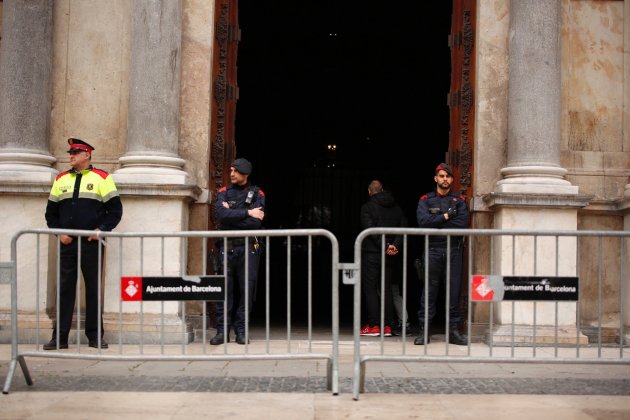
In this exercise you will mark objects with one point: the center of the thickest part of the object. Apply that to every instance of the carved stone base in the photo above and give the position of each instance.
(546, 336)
(151, 329)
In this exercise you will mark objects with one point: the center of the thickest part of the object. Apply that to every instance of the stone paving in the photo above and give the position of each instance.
(90, 373)
(92, 387)
(464, 386)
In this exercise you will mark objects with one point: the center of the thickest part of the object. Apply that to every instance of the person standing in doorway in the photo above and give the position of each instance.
(83, 198)
(381, 210)
(442, 209)
(239, 206)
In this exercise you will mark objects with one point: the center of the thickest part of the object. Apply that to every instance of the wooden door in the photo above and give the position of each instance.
(461, 104)
(461, 95)
(225, 95)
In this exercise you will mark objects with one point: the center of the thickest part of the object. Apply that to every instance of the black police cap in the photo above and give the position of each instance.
(242, 165)
(444, 167)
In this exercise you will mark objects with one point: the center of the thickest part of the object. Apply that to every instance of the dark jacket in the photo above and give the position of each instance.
(84, 200)
(235, 217)
(381, 210)
(430, 214)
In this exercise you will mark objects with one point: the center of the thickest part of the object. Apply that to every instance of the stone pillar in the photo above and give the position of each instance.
(154, 90)
(534, 101)
(534, 194)
(25, 83)
(626, 256)
(151, 174)
(626, 142)
(26, 171)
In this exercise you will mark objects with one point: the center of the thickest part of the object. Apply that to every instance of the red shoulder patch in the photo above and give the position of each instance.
(424, 197)
(222, 189)
(61, 174)
(100, 172)
(261, 192)
(462, 197)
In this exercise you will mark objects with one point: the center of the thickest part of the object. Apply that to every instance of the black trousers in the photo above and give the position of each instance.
(68, 263)
(437, 279)
(371, 288)
(236, 271)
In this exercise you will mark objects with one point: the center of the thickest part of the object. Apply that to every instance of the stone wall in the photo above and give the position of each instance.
(595, 149)
(595, 139)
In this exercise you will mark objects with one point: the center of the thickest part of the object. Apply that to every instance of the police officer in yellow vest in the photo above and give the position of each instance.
(83, 198)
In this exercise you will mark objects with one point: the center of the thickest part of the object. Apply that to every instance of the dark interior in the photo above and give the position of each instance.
(368, 77)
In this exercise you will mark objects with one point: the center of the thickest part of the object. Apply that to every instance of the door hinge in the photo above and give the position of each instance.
(234, 33)
(455, 40)
(232, 93)
(453, 99)
(452, 157)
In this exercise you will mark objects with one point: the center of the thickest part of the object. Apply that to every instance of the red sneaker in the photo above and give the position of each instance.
(366, 330)
(388, 331)
(370, 331)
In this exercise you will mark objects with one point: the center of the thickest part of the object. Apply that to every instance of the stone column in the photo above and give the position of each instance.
(626, 142)
(534, 101)
(626, 256)
(151, 176)
(26, 171)
(534, 194)
(25, 83)
(154, 90)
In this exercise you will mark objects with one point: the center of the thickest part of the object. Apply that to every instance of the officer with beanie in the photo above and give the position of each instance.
(239, 206)
(442, 209)
(82, 198)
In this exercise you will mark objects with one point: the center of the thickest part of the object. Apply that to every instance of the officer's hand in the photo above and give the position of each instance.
(94, 238)
(65, 239)
(226, 205)
(391, 250)
(256, 213)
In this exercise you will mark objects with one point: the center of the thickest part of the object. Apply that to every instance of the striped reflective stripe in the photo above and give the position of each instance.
(92, 196)
(93, 187)
(109, 196)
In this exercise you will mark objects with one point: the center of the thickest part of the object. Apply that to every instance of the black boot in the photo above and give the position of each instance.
(219, 339)
(52, 344)
(455, 337)
(240, 338)
(419, 341)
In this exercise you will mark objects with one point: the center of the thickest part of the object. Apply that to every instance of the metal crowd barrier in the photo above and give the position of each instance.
(135, 254)
(503, 253)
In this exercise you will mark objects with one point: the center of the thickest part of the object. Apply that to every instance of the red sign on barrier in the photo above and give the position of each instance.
(481, 289)
(131, 289)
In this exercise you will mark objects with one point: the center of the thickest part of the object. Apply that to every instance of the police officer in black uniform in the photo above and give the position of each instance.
(443, 209)
(240, 206)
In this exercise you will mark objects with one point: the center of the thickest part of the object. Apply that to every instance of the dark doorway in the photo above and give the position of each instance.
(333, 94)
